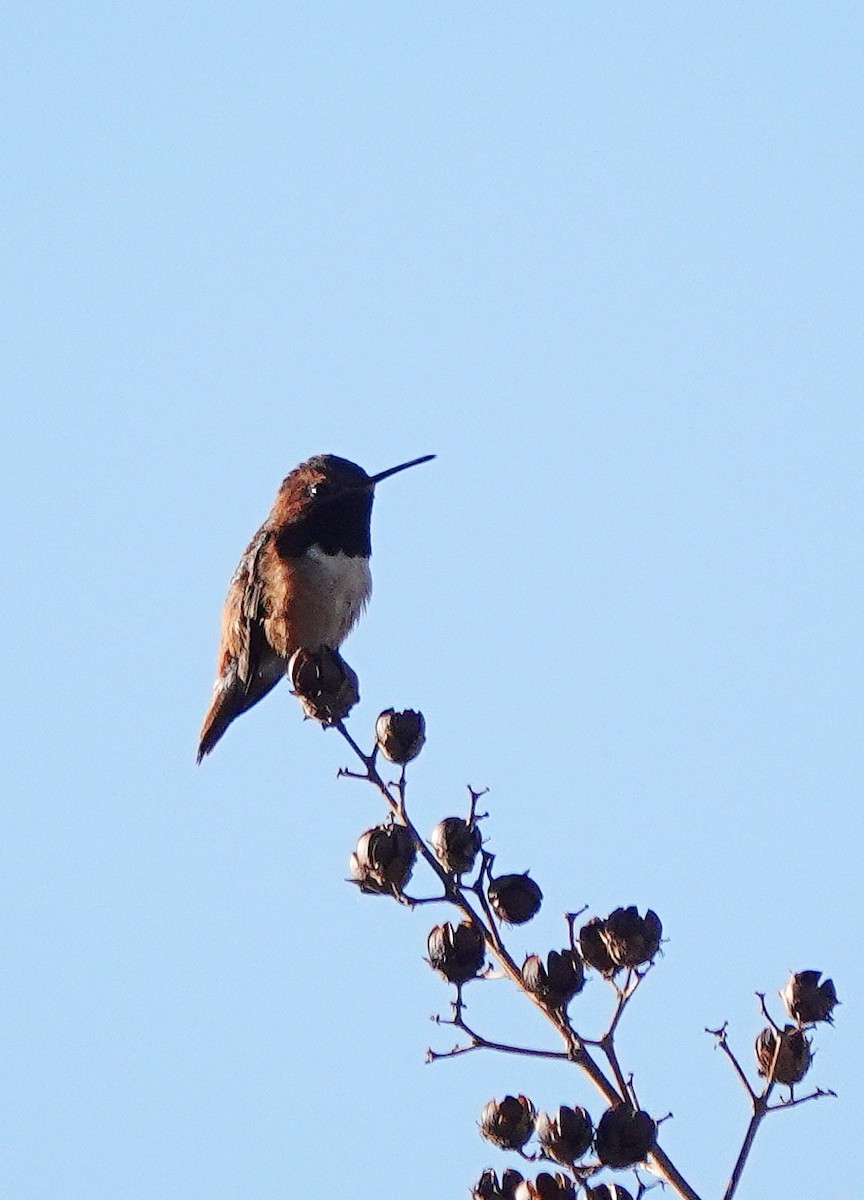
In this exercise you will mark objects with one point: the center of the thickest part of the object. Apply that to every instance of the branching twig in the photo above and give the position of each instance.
(576, 1050)
(571, 918)
(478, 1042)
(794, 1101)
(481, 1043)
(723, 1044)
(759, 1101)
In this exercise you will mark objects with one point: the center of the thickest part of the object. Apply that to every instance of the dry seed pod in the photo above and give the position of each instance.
(400, 735)
(607, 1191)
(384, 859)
(807, 1000)
(324, 684)
(508, 1123)
(458, 953)
(790, 1059)
(487, 1186)
(546, 1187)
(630, 939)
(514, 898)
(556, 982)
(592, 947)
(566, 1134)
(456, 844)
(625, 1136)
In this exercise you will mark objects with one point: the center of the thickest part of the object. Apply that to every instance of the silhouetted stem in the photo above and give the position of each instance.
(760, 1108)
(760, 1104)
(576, 1051)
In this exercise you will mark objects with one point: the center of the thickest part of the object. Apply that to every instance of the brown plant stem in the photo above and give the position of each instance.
(760, 1108)
(576, 1050)
(759, 1102)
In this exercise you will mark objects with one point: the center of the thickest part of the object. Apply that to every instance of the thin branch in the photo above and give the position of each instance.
(485, 872)
(481, 1043)
(571, 918)
(478, 1042)
(625, 995)
(368, 760)
(765, 1013)
(576, 1051)
(473, 815)
(626, 1089)
(760, 1108)
(723, 1044)
(436, 1055)
(794, 1101)
(760, 1104)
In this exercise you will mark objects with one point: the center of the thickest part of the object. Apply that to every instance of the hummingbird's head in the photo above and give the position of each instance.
(330, 498)
(321, 478)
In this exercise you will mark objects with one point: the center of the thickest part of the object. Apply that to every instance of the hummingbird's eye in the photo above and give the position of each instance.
(316, 489)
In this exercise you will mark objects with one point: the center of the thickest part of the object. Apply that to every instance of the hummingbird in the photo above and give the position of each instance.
(302, 582)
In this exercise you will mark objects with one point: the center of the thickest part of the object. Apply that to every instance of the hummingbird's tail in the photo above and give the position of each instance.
(231, 697)
(220, 714)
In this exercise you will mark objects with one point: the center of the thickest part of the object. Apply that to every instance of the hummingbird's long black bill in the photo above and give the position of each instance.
(415, 462)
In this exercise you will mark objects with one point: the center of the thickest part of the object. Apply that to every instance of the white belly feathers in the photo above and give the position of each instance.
(338, 587)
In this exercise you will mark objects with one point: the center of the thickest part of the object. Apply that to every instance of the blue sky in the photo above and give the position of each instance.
(605, 260)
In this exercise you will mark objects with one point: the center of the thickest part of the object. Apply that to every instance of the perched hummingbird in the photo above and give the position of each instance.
(302, 582)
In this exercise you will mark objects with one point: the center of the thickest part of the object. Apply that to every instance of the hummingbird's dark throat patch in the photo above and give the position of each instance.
(338, 524)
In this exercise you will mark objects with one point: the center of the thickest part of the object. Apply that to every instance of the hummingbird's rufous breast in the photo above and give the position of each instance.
(315, 599)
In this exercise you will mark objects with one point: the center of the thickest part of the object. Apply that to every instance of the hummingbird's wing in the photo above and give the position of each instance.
(248, 667)
(243, 639)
